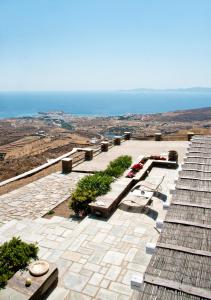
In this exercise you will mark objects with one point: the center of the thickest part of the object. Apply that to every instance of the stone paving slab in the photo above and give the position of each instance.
(96, 258)
(37, 198)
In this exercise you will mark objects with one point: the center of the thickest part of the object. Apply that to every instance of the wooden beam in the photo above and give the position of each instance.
(195, 162)
(188, 289)
(196, 224)
(195, 170)
(184, 249)
(179, 186)
(208, 206)
(193, 178)
(205, 155)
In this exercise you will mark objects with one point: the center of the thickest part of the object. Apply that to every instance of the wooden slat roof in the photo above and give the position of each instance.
(190, 174)
(189, 213)
(191, 197)
(200, 145)
(203, 149)
(181, 265)
(198, 160)
(196, 167)
(199, 154)
(156, 292)
(193, 185)
(186, 236)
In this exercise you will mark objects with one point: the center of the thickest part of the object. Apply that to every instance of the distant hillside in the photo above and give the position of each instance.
(200, 114)
(182, 90)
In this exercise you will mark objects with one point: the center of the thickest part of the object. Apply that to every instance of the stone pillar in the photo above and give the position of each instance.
(67, 164)
(88, 154)
(158, 136)
(190, 135)
(173, 155)
(117, 141)
(127, 135)
(104, 146)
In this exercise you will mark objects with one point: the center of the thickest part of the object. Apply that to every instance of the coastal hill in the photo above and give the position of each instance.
(188, 90)
(199, 114)
(28, 142)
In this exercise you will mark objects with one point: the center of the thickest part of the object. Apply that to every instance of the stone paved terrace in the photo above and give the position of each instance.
(133, 148)
(96, 258)
(37, 198)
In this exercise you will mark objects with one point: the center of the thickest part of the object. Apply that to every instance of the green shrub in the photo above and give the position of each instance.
(92, 186)
(116, 171)
(99, 183)
(15, 255)
(80, 200)
(122, 161)
(117, 167)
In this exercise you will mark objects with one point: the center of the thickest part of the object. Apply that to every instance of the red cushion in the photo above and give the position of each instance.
(130, 175)
(137, 167)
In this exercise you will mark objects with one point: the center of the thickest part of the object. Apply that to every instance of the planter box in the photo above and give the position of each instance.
(41, 286)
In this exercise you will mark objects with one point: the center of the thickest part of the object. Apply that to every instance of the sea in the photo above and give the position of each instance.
(20, 104)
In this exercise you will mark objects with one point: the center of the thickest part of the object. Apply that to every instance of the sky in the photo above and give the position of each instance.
(104, 44)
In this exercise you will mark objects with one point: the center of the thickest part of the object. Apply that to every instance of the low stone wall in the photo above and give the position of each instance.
(164, 137)
(40, 172)
(77, 154)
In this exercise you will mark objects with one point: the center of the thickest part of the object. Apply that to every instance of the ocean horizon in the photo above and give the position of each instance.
(20, 104)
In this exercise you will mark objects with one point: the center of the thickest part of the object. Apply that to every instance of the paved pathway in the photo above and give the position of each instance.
(37, 198)
(96, 258)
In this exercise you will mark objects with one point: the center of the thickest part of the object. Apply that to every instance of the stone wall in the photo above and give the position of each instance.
(77, 154)
(37, 173)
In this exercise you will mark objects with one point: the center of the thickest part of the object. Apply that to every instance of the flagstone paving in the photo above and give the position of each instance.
(37, 198)
(96, 258)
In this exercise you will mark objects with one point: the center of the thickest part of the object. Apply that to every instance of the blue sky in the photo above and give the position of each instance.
(104, 44)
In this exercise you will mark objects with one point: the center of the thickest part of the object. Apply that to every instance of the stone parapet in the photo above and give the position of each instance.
(67, 164)
(127, 135)
(88, 154)
(104, 146)
(190, 135)
(158, 136)
(117, 141)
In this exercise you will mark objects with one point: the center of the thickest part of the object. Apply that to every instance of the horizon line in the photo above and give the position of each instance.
(107, 90)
